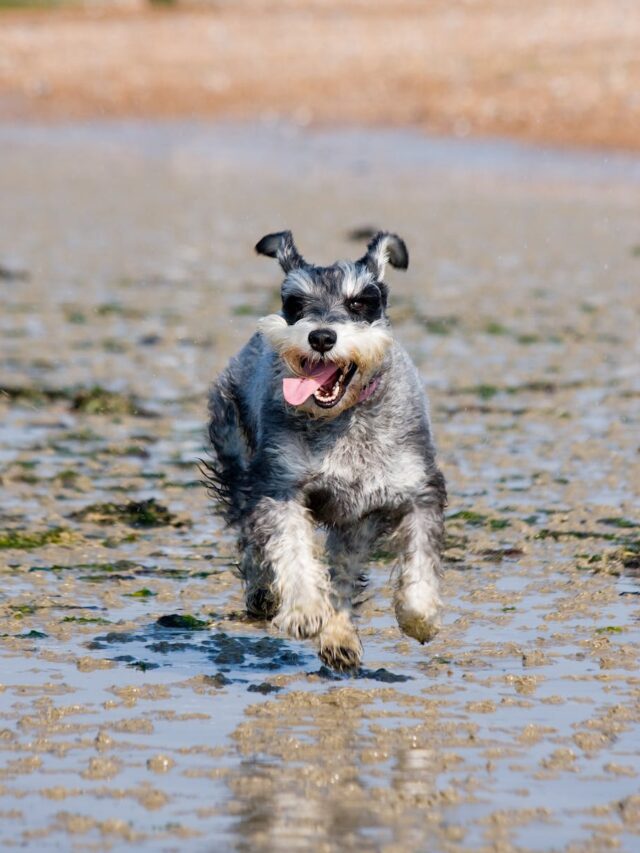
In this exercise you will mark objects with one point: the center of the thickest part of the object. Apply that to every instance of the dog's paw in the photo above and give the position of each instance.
(261, 603)
(303, 620)
(340, 646)
(422, 623)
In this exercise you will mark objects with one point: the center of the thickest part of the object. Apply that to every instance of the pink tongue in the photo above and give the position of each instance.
(299, 389)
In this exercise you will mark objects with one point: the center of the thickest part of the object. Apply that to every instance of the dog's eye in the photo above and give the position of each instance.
(364, 304)
(293, 309)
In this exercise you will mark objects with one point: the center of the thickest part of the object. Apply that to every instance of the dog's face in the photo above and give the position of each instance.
(333, 334)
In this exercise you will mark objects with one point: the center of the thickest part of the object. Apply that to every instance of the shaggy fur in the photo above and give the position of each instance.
(363, 469)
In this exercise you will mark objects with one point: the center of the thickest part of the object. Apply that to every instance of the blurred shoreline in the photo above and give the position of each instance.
(554, 74)
(221, 144)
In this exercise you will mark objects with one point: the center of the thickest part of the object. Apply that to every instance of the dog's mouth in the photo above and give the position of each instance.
(333, 390)
(325, 382)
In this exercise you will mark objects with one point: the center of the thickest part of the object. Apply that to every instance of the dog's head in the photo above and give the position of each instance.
(332, 334)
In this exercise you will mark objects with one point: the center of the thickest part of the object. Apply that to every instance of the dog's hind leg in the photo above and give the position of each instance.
(227, 476)
(257, 574)
(282, 568)
(418, 538)
(348, 549)
(226, 472)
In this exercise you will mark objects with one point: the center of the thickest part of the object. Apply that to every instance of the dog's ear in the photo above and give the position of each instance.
(385, 248)
(282, 247)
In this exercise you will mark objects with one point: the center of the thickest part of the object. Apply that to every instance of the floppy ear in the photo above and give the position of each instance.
(385, 248)
(282, 247)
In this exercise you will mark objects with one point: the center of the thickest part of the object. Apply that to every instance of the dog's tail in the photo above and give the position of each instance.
(225, 471)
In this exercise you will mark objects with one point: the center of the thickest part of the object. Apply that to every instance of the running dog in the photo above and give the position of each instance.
(321, 422)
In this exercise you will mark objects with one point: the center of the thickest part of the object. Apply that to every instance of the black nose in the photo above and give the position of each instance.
(322, 340)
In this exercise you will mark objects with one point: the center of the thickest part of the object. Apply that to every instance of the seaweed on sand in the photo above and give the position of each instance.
(24, 540)
(95, 400)
(148, 513)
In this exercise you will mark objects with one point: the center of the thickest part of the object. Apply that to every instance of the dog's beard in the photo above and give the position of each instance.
(358, 354)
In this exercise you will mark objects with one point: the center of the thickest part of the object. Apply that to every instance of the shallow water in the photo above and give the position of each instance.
(126, 266)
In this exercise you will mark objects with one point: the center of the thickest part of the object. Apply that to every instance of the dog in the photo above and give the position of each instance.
(320, 422)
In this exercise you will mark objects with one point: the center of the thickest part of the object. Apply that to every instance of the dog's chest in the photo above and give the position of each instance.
(359, 472)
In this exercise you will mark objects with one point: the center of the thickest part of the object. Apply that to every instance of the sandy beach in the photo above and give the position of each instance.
(553, 71)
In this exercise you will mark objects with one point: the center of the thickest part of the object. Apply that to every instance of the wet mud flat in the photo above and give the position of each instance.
(139, 708)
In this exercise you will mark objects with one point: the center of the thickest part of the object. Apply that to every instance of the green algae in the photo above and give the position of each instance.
(87, 620)
(547, 533)
(117, 309)
(477, 519)
(116, 566)
(439, 325)
(141, 593)
(19, 611)
(536, 386)
(139, 514)
(616, 521)
(94, 400)
(244, 310)
(495, 328)
(469, 517)
(99, 401)
(25, 541)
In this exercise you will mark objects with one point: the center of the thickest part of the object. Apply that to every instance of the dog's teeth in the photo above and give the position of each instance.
(332, 395)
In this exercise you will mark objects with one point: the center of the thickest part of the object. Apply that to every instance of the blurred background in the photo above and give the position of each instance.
(557, 71)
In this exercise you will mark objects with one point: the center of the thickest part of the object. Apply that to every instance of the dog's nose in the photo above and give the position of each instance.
(322, 340)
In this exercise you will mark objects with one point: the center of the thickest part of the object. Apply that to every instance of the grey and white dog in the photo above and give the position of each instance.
(321, 422)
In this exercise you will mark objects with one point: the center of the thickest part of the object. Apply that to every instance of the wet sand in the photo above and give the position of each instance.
(549, 71)
(139, 709)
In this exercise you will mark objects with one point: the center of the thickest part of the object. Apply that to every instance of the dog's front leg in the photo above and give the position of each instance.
(348, 549)
(417, 602)
(282, 546)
